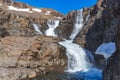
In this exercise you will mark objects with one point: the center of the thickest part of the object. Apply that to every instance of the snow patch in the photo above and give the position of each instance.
(37, 10)
(19, 9)
(58, 17)
(24, 9)
(106, 49)
(47, 12)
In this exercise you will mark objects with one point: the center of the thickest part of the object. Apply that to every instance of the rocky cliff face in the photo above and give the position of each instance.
(111, 72)
(33, 54)
(99, 27)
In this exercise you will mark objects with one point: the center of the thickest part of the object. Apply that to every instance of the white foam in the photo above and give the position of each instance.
(77, 58)
(52, 24)
(78, 24)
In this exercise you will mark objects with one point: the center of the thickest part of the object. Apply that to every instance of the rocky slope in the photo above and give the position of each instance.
(31, 54)
(19, 23)
(25, 54)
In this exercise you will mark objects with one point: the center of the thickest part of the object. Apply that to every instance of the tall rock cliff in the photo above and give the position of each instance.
(112, 70)
(99, 26)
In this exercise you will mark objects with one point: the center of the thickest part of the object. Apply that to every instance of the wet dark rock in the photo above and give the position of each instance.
(112, 69)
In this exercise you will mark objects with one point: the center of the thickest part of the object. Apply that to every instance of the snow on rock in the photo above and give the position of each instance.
(58, 17)
(106, 49)
(19, 9)
(24, 9)
(47, 12)
(37, 10)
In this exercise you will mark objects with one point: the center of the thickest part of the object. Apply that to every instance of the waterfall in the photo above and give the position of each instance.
(36, 27)
(88, 16)
(78, 59)
(52, 24)
(78, 24)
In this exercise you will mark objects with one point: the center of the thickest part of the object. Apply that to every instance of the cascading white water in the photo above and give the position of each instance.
(37, 28)
(79, 59)
(52, 24)
(88, 16)
(77, 56)
(78, 24)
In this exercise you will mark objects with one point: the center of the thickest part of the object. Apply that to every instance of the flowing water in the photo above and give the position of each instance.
(52, 24)
(80, 61)
(36, 27)
(77, 25)
(77, 58)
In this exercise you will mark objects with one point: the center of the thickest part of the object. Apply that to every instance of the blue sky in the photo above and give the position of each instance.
(63, 6)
